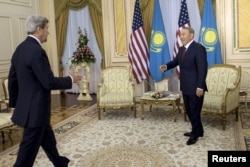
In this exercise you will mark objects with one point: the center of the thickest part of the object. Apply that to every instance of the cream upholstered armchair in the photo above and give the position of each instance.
(116, 90)
(5, 123)
(5, 116)
(223, 81)
(6, 93)
(244, 88)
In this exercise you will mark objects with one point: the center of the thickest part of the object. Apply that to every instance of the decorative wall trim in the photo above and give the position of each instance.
(7, 43)
(26, 3)
(241, 26)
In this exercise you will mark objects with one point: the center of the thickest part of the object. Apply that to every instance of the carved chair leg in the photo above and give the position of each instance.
(185, 116)
(224, 125)
(3, 136)
(9, 135)
(99, 114)
(135, 112)
(236, 114)
(184, 113)
(224, 121)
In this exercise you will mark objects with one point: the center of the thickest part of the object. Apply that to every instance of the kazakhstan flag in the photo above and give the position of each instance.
(159, 51)
(209, 35)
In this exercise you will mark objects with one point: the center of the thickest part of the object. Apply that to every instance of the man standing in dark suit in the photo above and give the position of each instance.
(30, 83)
(192, 60)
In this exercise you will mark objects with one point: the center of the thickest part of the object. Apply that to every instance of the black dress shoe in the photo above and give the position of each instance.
(64, 161)
(192, 140)
(188, 134)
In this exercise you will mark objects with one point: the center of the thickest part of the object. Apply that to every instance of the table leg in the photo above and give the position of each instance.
(142, 109)
(174, 108)
(178, 102)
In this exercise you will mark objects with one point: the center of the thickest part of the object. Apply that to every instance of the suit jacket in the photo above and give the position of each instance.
(30, 83)
(193, 68)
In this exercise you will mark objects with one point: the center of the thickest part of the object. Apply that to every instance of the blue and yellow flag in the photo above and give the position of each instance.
(209, 35)
(159, 51)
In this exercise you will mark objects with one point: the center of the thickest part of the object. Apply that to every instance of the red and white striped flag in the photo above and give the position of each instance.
(138, 47)
(184, 21)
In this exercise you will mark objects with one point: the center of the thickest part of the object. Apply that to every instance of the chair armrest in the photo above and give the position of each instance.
(101, 89)
(131, 86)
(132, 83)
(231, 99)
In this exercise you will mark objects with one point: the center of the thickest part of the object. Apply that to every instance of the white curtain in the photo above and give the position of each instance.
(81, 18)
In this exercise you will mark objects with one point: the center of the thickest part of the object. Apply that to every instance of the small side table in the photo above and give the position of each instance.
(172, 99)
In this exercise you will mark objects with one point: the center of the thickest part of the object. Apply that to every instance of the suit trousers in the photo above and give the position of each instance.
(33, 138)
(193, 105)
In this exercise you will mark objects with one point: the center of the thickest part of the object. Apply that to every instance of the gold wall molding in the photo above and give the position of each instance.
(120, 26)
(235, 25)
(117, 16)
(241, 26)
(26, 3)
(12, 21)
(117, 22)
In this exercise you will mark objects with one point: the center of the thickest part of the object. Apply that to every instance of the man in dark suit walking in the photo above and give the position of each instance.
(192, 60)
(30, 83)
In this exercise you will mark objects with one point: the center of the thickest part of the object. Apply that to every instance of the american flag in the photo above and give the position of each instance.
(184, 21)
(138, 47)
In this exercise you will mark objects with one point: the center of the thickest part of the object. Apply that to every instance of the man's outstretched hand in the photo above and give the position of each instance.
(76, 78)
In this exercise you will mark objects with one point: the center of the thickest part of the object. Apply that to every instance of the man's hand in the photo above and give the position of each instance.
(11, 110)
(199, 92)
(163, 68)
(76, 78)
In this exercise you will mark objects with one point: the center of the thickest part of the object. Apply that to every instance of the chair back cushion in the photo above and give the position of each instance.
(219, 98)
(221, 77)
(117, 87)
(116, 79)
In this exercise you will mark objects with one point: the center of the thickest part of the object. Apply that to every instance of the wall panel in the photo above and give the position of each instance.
(12, 17)
(117, 28)
(236, 32)
(6, 44)
(118, 15)
(25, 3)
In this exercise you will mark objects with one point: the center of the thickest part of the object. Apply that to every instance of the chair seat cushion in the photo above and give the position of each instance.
(5, 120)
(115, 99)
(212, 103)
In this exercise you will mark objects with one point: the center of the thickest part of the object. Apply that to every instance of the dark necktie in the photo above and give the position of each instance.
(183, 53)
